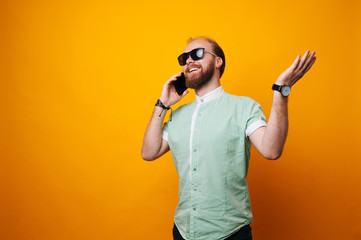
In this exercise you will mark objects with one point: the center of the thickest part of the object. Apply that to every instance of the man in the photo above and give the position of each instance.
(210, 141)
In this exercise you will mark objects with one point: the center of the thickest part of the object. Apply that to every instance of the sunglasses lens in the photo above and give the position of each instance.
(200, 53)
(182, 59)
(195, 54)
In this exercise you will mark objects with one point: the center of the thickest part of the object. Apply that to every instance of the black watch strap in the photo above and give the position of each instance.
(284, 89)
(276, 87)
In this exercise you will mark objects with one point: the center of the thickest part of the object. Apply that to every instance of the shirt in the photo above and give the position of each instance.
(208, 139)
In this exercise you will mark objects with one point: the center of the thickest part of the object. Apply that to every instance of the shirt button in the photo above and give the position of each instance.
(194, 209)
(200, 114)
(196, 130)
(195, 150)
(194, 169)
(202, 100)
(195, 189)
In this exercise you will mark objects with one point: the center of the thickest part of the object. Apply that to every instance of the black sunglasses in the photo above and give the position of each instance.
(195, 54)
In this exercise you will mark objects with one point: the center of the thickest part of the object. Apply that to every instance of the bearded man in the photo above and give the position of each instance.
(210, 141)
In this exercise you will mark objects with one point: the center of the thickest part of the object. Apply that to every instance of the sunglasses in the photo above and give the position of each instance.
(195, 54)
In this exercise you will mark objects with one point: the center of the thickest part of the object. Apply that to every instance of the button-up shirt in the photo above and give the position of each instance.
(208, 139)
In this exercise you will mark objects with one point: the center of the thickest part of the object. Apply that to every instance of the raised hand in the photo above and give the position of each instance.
(169, 95)
(296, 71)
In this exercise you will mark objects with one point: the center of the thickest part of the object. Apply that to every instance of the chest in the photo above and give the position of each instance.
(207, 128)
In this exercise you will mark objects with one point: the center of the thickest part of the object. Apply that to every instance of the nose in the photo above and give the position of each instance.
(189, 59)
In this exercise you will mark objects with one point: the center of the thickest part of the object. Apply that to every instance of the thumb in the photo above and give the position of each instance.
(184, 93)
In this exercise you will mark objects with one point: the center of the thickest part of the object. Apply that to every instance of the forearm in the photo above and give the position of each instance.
(276, 131)
(152, 142)
(270, 140)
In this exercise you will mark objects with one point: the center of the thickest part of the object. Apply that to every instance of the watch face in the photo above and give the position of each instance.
(286, 90)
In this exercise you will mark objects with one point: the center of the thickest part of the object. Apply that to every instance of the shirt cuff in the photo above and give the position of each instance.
(165, 136)
(254, 126)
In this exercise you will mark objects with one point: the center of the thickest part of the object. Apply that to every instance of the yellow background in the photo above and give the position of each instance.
(79, 80)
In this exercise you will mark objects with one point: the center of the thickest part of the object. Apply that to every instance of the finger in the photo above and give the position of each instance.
(303, 59)
(174, 78)
(308, 61)
(184, 93)
(311, 63)
(295, 63)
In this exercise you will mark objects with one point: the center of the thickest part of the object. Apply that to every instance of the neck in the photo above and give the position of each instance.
(208, 87)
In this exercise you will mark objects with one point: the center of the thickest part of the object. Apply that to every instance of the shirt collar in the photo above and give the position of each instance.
(214, 94)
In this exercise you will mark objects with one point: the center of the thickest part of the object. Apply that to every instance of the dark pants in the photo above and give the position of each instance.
(242, 234)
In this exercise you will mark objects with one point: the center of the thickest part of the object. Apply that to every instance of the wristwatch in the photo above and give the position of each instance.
(284, 89)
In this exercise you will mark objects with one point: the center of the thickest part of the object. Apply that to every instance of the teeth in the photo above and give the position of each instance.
(193, 69)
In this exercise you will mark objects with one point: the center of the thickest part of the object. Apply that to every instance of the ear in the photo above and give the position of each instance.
(219, 62)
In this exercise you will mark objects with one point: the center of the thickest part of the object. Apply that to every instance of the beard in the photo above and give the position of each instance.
(199, 79)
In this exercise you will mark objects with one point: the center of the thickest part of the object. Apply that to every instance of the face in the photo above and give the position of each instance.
(199, 72)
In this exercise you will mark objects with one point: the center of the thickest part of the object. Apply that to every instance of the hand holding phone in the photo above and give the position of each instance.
(173, 90)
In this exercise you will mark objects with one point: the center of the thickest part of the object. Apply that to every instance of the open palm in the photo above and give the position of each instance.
(297, 69)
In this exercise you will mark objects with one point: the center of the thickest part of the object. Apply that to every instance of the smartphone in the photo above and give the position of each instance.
(180, 84)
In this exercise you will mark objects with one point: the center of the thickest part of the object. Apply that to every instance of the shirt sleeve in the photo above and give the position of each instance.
(256, 118)
(165, 132)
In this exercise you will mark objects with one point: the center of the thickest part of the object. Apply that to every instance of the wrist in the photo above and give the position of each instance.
(165, 102)
(282, 89)
(161, 105)
(281, 82)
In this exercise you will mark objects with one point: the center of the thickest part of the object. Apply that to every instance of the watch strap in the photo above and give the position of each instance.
(276, 87)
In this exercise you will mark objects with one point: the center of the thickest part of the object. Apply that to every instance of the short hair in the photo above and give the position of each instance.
(216, 49)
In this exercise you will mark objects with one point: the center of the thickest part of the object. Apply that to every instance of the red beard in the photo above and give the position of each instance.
(199, 78)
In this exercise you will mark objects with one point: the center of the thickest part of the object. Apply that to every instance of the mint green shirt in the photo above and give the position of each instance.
(208, 139)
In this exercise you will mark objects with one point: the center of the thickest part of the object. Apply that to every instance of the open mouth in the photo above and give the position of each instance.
(193, 70)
